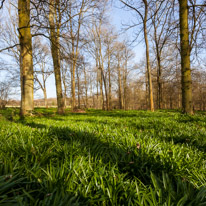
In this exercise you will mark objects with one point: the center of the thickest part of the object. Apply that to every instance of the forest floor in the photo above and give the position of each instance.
(102, 158)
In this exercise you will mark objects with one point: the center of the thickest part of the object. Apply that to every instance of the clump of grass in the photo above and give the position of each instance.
(102, 158)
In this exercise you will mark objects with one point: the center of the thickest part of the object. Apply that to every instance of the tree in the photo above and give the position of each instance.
(26, 62)
(144, 19)
(109, 40)
(42, 70)
(186, 80)
(119, 47)
(127, 56)
(54, 22)
(4, 93)
(163, 28)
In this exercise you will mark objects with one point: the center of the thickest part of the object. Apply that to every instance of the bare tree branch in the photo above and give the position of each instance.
(2, 3)
(10, 47)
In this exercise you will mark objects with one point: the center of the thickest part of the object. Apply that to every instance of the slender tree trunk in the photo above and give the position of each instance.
(125, 92)
(73, 88)
(45, 98)
(105, 88)
(103, 77)
(120, 86)
(147, 96)
(101, 83)
(45, 93)
(125, 86)
(75, 49)
(187, 105)
(65, 100)
(78, 87)
(110, 86)
(101, 90)
(151, 101)
(85, 82)
(97, 67)
(44, 88)
(26, 62)
(65, 94)
(92, 93)
(54, 30)
(159, 85)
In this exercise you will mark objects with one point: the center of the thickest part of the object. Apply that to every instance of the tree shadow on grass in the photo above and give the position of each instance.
(118, 113)
(157, 131)
(198, 143)
(131, 161)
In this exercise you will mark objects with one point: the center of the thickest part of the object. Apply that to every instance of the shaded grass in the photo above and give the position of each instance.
(104, 158)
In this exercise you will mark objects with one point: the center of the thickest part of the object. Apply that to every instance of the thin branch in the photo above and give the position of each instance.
(10, 47)
(2, 3)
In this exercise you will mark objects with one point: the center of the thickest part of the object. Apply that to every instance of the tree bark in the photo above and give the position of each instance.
(159, 77)
(120, 85)
(97, 67)
(45, 98)
(186, 80)
(65, 92)
(75, 48)
(101, 89)
(151, 101)
(125, 85)
(110, 86)
(54, 37)
(26, 62)
(103, 79)
(78, 88)
(73, 88)
(85, 83)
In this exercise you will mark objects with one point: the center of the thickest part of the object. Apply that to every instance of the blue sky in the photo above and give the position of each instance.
(118, 17)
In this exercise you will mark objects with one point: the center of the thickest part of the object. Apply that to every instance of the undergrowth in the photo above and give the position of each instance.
(102, 158)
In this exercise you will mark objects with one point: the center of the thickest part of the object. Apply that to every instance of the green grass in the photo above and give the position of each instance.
(102, 158)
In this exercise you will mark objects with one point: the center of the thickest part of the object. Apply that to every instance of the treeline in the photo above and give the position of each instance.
(95, 67)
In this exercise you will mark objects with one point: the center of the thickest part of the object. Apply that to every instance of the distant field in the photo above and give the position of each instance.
(102, 158)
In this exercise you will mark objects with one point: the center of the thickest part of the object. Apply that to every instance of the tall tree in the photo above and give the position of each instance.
(26, 62)
(54, 21)
(187, 105)
(144, 19)
(42, 71)
(162, 26)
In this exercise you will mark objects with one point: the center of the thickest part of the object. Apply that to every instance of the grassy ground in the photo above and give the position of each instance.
(102, 158)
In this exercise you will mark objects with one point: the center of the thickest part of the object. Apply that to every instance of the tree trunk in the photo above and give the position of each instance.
(101, 90)
(110, 86)
(151, 101)
(75, 52)
(187, 105)
(78, 88)
(101, 83)
(159, 85)
(120, 86)
(73, 88)
(65, 90)
(85, 83)
(125, 85)
(105, 88)
(97, 67)
(45, 98)
(103, 78)
(26, 62)
(65, 98)
(56, 56)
